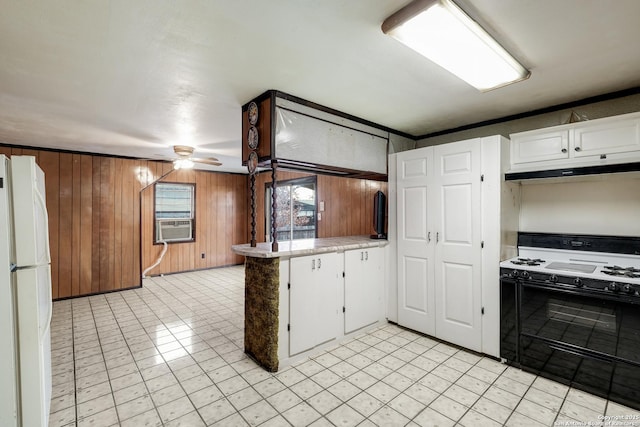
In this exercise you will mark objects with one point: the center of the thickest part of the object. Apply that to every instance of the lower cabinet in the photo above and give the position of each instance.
(363, 286)
(314, 305)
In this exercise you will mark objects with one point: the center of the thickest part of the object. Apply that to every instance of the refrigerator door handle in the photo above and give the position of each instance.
(50, 299)
(46, 330)
(43, 205)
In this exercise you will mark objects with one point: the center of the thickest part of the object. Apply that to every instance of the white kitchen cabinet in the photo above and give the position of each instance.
(537, 147)
(314, 306)
(603, 138)
(363, 287)
(446, 212)
(609, 140)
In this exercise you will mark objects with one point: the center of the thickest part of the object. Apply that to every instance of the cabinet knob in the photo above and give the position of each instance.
(564, 150)
(577, 148)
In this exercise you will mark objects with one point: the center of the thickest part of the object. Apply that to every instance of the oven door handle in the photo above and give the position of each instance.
(586, 354)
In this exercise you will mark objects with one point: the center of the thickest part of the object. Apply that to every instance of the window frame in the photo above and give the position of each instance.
(193, 213)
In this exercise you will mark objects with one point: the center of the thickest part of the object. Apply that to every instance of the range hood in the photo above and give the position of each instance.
(573, 171)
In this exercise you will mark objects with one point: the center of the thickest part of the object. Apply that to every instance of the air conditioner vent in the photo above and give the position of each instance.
(172, 230)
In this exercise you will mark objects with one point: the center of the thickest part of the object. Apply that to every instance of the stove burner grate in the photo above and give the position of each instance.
(528, 261)
(622, 273)
(614, 270)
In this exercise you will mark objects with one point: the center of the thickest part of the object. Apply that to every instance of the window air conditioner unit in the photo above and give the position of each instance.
(172, 230)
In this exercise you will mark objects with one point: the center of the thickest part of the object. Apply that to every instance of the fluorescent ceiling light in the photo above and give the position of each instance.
(441, 31)
(182, 164)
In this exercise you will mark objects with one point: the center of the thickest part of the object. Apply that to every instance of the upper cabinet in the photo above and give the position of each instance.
(611, 140)
(539, 147)
(605, 138)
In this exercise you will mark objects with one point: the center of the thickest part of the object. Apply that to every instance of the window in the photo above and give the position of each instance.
(296, 216)
(174, 212)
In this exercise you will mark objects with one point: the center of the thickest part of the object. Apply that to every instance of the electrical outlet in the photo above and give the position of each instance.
(319, 216)
(202, 255)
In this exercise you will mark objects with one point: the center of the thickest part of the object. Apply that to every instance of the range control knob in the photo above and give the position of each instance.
(613, 286)
(515, 273)
(578, 282)
(525, 275)
(553, 278)
(628, 289)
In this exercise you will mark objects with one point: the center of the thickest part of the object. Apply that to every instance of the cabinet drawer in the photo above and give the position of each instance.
(538, 147)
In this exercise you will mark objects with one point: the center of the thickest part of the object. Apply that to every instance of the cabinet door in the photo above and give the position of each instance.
(615, 136)
(327, 310)
(458, 256)
(313, 301)
(363, 285)
(416, 309)
(537, 147)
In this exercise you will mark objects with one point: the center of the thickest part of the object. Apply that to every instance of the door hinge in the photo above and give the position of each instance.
(288, 327)
(288, 285)
(482, 178)
(482, 311)
(482, 244)
(1, 182)
(343, 309)
(343, 274)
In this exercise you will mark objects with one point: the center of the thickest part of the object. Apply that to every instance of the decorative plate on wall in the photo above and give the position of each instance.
(252, 162)
(252, 138)
(252, 111)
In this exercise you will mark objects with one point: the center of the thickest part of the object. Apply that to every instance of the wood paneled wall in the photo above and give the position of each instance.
(220, 207)
(94, 211)
(348, 204)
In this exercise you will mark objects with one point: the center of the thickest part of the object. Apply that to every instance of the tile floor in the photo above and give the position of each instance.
(171, 354)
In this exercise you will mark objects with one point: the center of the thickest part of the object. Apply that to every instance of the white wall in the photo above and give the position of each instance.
(605, 205)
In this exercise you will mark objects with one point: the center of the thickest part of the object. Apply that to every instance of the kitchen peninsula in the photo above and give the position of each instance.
(310, 293)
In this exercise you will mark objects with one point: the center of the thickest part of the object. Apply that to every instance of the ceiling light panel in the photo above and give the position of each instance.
(442, 32)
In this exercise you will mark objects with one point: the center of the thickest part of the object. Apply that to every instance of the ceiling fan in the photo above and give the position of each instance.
(186, 161)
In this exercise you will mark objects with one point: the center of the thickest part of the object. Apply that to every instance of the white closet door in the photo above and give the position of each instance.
(458, 255)
(415, 241)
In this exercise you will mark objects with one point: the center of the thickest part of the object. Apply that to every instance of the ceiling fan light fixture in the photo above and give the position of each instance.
(183, 150)
(445, 34)
(183, 164)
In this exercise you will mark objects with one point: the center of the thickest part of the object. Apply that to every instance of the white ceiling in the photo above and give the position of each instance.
(134, 77)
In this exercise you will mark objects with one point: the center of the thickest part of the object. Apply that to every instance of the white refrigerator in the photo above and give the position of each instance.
(25, 295)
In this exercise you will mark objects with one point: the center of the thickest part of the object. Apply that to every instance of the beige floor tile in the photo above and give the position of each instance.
(175, 345)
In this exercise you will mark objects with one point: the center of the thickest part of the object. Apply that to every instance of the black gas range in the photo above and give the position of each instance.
(570, 311)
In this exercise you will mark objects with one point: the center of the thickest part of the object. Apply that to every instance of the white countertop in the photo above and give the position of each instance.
(302, 247)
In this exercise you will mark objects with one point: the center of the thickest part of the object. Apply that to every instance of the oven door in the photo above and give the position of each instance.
(587, 340)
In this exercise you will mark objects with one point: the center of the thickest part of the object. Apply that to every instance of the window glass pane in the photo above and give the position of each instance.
(296, 205)
(174, 201)
(303, 219)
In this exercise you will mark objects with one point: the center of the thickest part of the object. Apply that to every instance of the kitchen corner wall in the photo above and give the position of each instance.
(348, 204)
(95, 220)
(220, 222)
